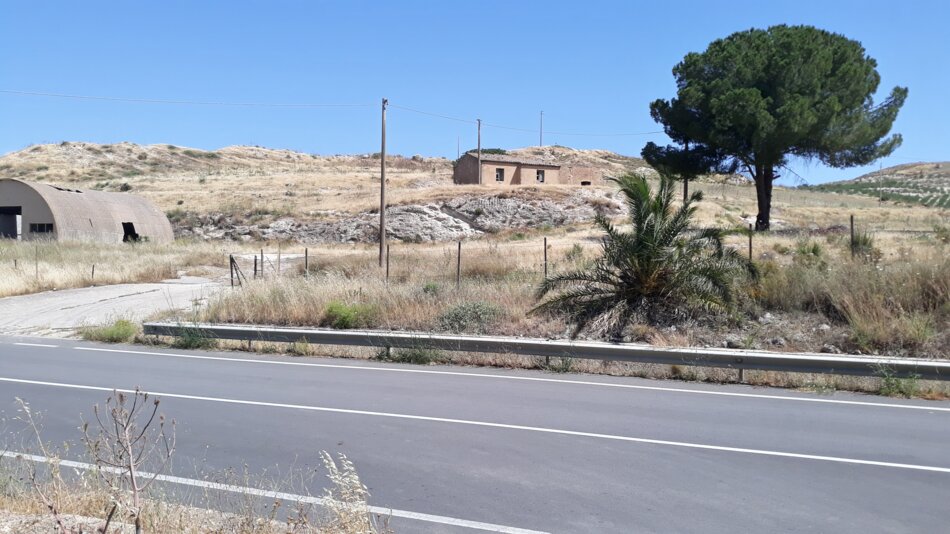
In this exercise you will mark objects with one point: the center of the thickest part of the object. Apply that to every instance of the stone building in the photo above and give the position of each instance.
(504, 170)
(30, 211)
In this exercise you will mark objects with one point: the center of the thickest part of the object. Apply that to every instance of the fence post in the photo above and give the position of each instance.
(231, 265)
(255, 266)
(750, 242)
(306, 262)
(458, 268)
(852, 237)
(278, 257)
(262, 264)
(93, 279)
(545, 257)
(387, 264)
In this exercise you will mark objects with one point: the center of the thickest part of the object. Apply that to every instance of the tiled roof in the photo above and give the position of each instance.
(503, 158)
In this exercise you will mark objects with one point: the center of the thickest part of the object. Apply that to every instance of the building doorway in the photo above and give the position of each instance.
(11, 222)
(128, 231)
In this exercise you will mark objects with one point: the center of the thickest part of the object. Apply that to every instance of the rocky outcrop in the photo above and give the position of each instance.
(458, 218)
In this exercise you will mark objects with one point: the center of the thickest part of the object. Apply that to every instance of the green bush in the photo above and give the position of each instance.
(472, 317)
(863, 247)
(345, 316)
(121, 331)
(431, 289)
(194, 339)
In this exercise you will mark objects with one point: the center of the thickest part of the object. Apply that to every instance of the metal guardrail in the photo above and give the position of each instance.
(726, 358)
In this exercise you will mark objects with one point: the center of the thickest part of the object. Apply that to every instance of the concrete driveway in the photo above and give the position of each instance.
(59, 313)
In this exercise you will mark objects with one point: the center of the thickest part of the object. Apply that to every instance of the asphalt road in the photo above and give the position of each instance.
(60, 313)
(525, 450)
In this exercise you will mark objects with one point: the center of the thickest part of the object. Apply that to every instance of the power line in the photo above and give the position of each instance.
(517, 129)
(432, 114)
(186, 102)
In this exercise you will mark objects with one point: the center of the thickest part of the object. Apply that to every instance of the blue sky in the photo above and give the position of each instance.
(593, 67)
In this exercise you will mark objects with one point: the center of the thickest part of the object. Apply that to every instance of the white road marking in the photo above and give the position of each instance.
(529, 379)
(306, 499)
(466, 422)
(37, 345)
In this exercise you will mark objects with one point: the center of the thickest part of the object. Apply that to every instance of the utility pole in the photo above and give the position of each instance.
(479, 151)
(382, 189)
(541, 130)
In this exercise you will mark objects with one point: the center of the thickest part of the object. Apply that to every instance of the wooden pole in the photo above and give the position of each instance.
(255, 266)
(852, 237)
(262, 264)
(93, 278)
(387, 264)
(306, 262)
(382, 187)
(545, 257)
(231, 265)
(479, 121)
(750, 242)
(458, 268)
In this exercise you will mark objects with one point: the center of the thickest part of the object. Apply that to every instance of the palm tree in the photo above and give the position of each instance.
(658, 269)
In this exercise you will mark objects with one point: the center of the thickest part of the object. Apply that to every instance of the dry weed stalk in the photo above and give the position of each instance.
(126, 441)
(46, 493)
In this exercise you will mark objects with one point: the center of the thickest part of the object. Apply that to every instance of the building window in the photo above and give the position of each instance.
(41, 228)
(499, 175)
(540, 177)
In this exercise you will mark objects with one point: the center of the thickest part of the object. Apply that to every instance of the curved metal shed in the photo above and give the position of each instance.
(30, 210)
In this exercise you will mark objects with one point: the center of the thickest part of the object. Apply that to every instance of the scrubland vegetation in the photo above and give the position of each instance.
(810, 294)
(34, 266)
(128, 446)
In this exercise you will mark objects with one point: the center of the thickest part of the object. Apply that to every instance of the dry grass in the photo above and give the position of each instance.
(896, 306)
(30, 267)
(48, 496)
(899, 307)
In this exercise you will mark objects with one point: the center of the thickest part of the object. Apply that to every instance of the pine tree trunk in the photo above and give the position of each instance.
(763, 192)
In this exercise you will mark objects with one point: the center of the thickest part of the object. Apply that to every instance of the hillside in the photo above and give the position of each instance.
(925, 184)
(251, 193)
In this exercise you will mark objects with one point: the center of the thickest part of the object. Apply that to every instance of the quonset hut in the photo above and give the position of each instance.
(30, 211)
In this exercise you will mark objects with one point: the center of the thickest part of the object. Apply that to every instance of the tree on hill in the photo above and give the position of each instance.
(686, 163)
(758, 97)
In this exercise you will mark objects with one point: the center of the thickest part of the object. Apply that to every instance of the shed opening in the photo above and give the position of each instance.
(128, 231)
(11, 222)
(585, 182)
